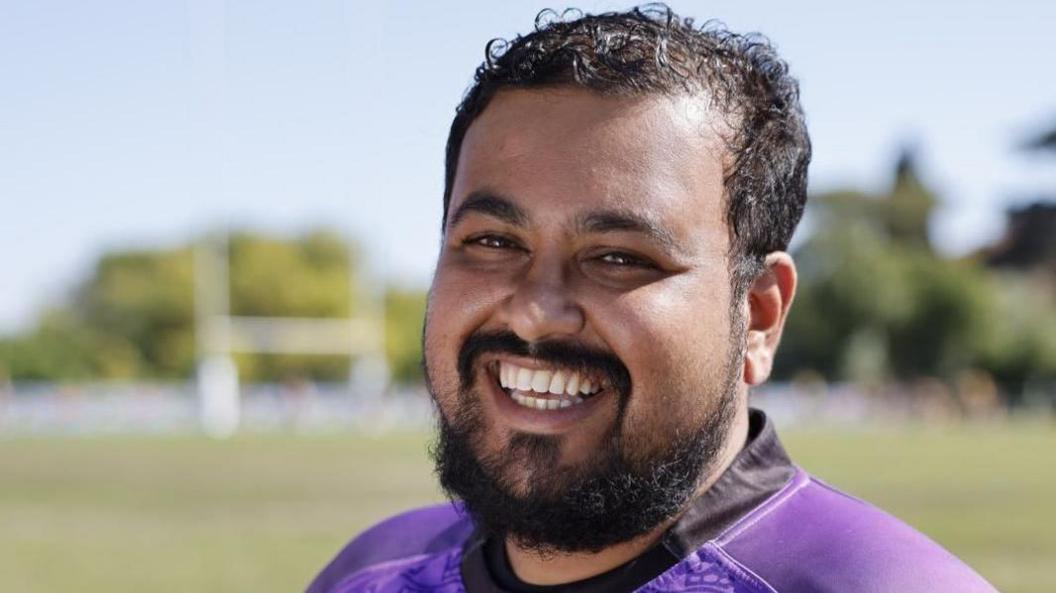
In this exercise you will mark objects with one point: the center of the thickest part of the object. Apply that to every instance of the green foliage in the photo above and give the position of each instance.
(875, 303)
(63, 349)
(273, 277)
(133, 317)
(404, 316)
(1022, 344)
(906, 212)
(145, 301)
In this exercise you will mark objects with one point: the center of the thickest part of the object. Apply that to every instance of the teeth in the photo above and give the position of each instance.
(545, 403)
(557, 384)
(523, 383)
(541, 381)
(524, 379)
(572, 386)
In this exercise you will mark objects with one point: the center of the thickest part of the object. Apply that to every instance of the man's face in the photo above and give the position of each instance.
(586, 244)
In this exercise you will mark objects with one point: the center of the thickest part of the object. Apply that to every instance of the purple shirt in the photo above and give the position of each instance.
(765, 526)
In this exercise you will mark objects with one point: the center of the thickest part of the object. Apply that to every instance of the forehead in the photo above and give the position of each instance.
(567, 150)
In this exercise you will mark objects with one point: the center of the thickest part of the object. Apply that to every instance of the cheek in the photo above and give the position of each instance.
(675, 343)
(455, 310)
(440, 344)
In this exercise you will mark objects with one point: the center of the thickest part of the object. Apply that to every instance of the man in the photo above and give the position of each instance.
(620, 193)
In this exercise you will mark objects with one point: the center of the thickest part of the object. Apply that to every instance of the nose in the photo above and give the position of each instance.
(542, 306)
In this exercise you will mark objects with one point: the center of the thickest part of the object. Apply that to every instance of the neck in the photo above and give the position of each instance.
(559, 568)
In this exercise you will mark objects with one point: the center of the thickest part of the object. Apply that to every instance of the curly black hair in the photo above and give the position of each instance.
(651, 50)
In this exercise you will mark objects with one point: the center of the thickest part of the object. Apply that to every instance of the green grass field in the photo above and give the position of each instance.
(263, 513)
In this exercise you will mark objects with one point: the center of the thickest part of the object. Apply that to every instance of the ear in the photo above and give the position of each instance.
(769, 298)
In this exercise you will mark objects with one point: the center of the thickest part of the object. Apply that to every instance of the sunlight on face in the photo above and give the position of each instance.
(591, 220)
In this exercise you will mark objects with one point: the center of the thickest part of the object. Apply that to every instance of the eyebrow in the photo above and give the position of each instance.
(490, 204)
(615, 221)
(598, 222)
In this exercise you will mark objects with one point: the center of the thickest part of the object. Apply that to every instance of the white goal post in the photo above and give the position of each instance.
(219, 335)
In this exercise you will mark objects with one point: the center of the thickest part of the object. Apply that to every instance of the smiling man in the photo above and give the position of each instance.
(620, 193)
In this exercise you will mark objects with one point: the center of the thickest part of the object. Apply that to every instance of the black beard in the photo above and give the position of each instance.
(614, 496)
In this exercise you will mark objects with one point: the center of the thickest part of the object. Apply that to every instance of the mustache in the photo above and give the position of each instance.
(564, 354)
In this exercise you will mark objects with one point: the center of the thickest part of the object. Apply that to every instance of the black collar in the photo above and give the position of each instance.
(757, 472)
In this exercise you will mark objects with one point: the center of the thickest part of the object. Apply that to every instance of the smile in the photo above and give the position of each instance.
(546, 389)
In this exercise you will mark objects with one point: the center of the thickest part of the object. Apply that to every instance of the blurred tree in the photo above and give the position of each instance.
(143, 299)
(1023, 331)
(404, 316)
(61, 348)
(1025, 261)
(307, 277)
(853, 289)
(274, 277)
(907, 211)
(875, 303)
(133, 317)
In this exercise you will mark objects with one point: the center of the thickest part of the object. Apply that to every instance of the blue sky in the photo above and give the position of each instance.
(130, 123)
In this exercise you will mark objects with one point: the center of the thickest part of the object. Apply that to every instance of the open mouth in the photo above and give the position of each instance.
(546, 389)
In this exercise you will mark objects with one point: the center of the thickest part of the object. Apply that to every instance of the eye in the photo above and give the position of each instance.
(490, 242)
(625, 260)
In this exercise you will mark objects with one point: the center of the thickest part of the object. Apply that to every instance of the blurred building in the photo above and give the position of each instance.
(1029, 243)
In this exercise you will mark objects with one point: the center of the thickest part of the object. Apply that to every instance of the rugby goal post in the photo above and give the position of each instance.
(219, 335)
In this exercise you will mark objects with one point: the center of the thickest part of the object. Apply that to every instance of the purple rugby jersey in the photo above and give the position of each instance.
(803, 537)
